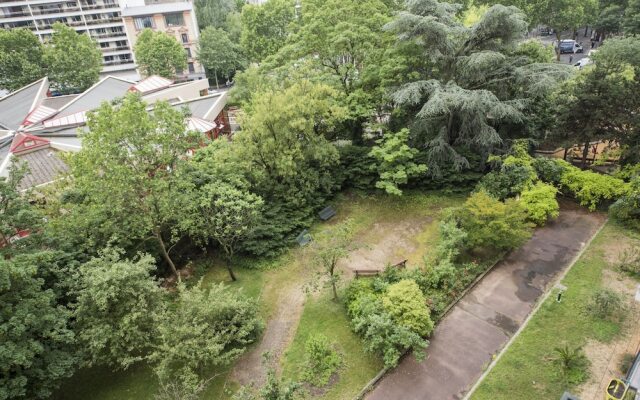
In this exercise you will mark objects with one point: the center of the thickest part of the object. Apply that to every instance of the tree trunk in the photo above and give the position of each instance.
(230, 267)
(215, 72)
(335, 290)
(585, 153)
(165, 255)
(557, 49)
(586, 30)
(566, 152)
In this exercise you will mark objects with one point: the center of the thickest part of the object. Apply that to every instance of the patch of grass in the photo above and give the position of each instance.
(527, 368)
(324, 316)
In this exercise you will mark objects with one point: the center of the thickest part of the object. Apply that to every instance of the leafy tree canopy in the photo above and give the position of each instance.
(158, 53)
(265, 27)
(20, 58)
(219, 54)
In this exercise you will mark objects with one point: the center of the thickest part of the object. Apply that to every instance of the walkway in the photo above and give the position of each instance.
(481, 324)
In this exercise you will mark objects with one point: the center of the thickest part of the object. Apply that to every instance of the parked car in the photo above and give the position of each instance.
(570, 46)
(545, 31)
(583, 63)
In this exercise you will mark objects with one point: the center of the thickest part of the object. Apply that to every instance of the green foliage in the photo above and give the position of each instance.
(117, 309)
(356, 169)
(629, 260)
(158, 53)
(37, 349)
(265, 27)
(492, 224)
(20, 58)
(128, 172)
(631, 21)
(606, 304)
(592, 189)
(321, 360)
(205, 329)
(573, 363)
(213, 13)
(219, 54)
(407, 306)
(535, 51)
(333, 245)
(540, 203)
(551, 170)
(514, 175)
(17, 214)
(395, 162)
(626, 209)
(274, 389)
(73, 60)
(452, 240)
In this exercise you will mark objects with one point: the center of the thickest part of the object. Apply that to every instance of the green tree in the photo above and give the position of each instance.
(206, 329)
(117, 308)
(20, 58)
(631, 22)
(395, 163)
(492, 224)
(610, 20)
(540, 203)
(331, 246)
(17, 214)
(464, 93)
(128, 171)
(36, 349)
(158, 53)
(219, 54)
(408, 307)
(73, 60)
(265, 27)
(227, 215)
(213, 13)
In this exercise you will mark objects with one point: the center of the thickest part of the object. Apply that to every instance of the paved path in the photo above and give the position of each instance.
(482, 323)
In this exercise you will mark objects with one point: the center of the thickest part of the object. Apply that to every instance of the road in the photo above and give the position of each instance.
(483, 321)
(564, 58)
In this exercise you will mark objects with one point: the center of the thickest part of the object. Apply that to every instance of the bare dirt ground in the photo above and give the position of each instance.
(382, 243)
(606, 357)
(388, 243)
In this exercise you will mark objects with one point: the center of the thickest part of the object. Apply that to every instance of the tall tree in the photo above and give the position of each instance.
(331, 246)
(456, 100)
(117, 308)
(20, 58)
(73, 60)
(157, 53)
(219, 54)
(128, 167)
(36, 350)
(225, 214)
(631, 22)
(213, 13)
(265, 27)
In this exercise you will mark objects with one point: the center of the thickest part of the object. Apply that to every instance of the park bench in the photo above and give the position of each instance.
(304, 238)
(366, 272)
(327, 213)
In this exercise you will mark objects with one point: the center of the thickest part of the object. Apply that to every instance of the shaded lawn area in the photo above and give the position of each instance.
(527, 368)
(263, 278)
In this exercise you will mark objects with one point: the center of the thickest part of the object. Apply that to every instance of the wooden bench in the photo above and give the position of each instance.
(304, 238)
(366, 272)
(327, 213)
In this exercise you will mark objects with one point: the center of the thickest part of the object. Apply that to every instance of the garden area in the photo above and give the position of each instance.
(581, 342)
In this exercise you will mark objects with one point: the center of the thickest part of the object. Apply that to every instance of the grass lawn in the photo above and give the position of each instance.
(263, 281)
(527, 370)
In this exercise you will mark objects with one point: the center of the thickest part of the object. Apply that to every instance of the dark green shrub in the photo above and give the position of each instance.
(626, 362)
(629, 261)
(321, 360)
(573, 363)
(606, 304)
(550, 170)
(626, 209)
(356, 169)
(509, 181)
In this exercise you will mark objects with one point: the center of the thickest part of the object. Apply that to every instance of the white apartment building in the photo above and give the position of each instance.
(101, 19)
(114, 24)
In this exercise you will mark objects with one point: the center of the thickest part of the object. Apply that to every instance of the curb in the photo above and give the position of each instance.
(539, 304)
(372, 383)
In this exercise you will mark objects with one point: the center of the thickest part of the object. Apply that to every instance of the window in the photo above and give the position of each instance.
(188, 51)
(108, 59)
(185, 37)
(121, 43)
(174, 19)
(143, 22)
(192, 69)
(104, 45)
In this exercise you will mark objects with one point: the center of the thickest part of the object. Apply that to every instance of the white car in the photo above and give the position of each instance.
(583, 63)
(570, 46)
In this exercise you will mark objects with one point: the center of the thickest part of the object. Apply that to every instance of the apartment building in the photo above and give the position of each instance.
(101, 19)
(174, 17)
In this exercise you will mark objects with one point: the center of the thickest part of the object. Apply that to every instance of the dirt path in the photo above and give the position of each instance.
(484, 320)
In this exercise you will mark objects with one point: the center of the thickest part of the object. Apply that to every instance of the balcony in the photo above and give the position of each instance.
(116, 62)
(108, 35)
(103, 20)
(50, 11)
(14, 14)
(110, 49)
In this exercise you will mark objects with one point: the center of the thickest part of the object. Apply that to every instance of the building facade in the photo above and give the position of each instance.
(176, 18)
(101, 19)
(114, 24)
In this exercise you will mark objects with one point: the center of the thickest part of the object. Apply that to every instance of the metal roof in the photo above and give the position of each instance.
(15, 106)
(200, 125)
(72, 119)
(40, 113)
(206, 107)
(58, 102)
(44, 167)
(107, 89)
(151, 84)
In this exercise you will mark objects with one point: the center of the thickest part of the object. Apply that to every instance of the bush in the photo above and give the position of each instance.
(321, 361)
(550, 170)
(626, 362)
(509, 181)
(592, 189)
(356, 169)
(492, 224)
(452, 239)
(626, 210)
(540, 203)
(407, 306)
(606, 304)
(573, 362)
(629, 261)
